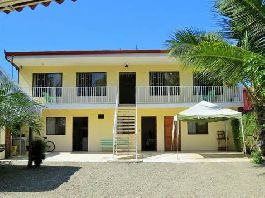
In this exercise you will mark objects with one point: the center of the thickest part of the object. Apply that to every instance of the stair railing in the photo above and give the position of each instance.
(115, 120)
(136, 131)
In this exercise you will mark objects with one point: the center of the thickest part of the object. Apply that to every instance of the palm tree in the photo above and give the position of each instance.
(243, 63)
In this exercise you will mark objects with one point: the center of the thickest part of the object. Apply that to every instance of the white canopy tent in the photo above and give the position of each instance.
(209, 112)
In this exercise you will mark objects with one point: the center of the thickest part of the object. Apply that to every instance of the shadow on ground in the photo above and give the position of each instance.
(15, 178)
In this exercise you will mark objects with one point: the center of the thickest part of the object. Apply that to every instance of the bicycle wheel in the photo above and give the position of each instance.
(50, 146)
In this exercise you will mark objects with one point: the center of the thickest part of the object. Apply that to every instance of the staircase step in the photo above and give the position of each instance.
(126, 150)
(125, 116)
(125, 133)
(126, 119)
(123, 146)
(126, 124)
(125, 127)
(125, 130)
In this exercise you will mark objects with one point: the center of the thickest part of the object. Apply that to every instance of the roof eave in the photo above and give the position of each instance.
(69, 53)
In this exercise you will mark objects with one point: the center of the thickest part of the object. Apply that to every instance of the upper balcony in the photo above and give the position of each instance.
(143, 95)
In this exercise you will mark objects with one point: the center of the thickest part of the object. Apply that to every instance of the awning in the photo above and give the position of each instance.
(8, 6)
(209, 112)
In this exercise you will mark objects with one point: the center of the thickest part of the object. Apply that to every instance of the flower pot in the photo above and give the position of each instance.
(14, 150)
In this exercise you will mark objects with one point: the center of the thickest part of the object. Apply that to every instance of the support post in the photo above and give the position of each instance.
(172, 134)
(178, 125)
(243, 136)
(225, 125)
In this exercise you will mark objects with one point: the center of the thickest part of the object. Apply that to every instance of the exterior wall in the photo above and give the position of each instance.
(97, 128)
(69, 74)
(102, 129)
(205, 142)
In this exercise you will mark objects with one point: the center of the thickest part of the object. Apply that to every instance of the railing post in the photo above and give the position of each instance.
(168, 94)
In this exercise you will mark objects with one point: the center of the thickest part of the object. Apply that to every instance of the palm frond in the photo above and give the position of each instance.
(220, 59)
(240, 16)
(183, 41)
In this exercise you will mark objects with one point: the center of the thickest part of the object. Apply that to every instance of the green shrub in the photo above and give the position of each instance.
(38, 152)
(256, 157)
(237, 134)
(251, 130)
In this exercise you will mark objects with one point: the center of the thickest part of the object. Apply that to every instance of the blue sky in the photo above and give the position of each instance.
(101, 24)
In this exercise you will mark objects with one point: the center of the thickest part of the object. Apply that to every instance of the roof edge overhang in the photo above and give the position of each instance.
(93, 52)
(11, 56)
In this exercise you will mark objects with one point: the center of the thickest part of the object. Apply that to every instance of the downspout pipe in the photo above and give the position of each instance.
(13, 64)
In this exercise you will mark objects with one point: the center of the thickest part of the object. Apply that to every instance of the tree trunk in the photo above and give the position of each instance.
(260, 116)
(30, 148)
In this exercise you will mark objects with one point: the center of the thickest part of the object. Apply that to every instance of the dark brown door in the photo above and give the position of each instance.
(127, 84)
(149, 134)
(80, 134)
(168, 124)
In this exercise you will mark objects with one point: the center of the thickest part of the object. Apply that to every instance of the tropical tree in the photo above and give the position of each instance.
(17, 109)
(243, 63)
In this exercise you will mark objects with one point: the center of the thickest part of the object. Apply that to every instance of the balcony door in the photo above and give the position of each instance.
(127, 83)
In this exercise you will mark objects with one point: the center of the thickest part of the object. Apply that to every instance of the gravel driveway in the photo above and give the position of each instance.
(240, 179)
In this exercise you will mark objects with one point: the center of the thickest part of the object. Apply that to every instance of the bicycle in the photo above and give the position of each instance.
(50, 145)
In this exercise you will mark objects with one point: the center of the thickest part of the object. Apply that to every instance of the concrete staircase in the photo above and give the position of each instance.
(126, 134)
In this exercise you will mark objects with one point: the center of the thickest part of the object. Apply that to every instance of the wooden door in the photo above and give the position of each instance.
(168, 124)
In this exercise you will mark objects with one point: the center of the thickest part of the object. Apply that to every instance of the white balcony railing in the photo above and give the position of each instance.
(186, 94)
(144, 94)
(73, 95)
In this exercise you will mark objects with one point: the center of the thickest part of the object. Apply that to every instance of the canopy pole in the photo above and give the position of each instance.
(178, 125)
(225, 125)
(243, 136)
(172, 135)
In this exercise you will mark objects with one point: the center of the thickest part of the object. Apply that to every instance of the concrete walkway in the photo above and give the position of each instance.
(166, 157)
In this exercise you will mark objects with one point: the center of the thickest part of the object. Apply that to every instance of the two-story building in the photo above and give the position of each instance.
(92, 97)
